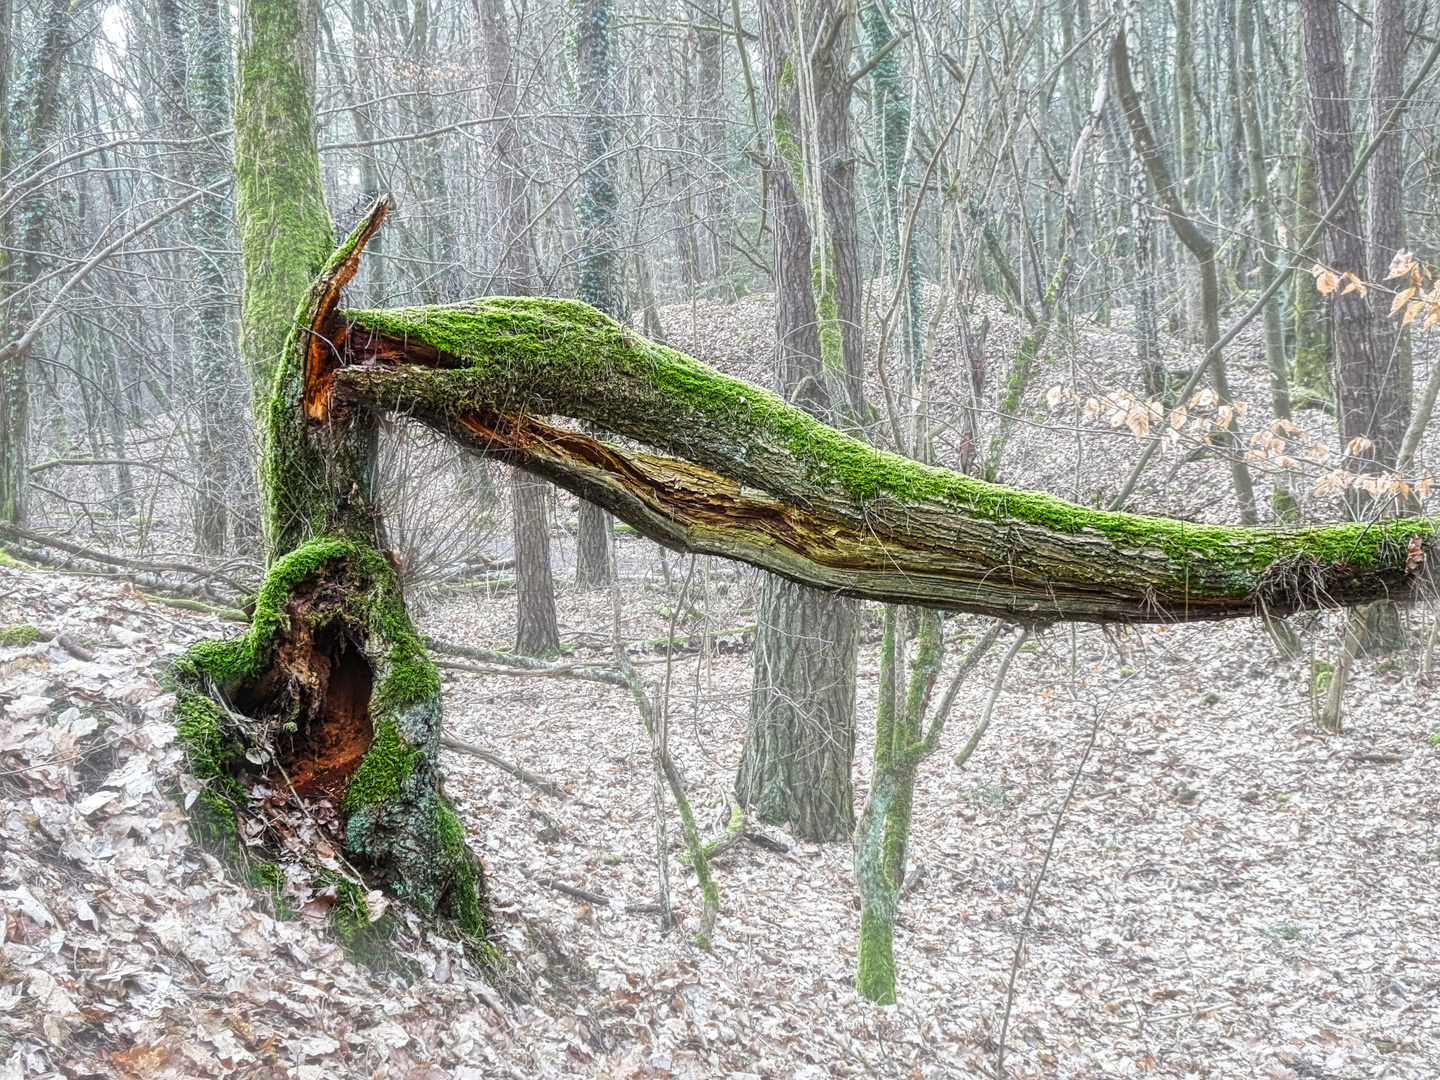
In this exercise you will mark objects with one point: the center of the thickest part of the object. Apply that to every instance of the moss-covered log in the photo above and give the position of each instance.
(745, 476)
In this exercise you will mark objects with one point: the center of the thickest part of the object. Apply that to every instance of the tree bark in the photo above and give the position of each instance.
(537, 631)
(892, 112)
(755, 479)
(1264, 207)
(536, 622)
(1367, 377)
(218, 391)
(1314, 380)
(1385, 211)
(841, 297)
(1282, 501)
(27, 134)
(800, 741)
(800, 734)
(599, 251)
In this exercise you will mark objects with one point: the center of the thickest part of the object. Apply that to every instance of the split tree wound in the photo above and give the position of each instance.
(745, 476)
(320, 682)
(322, 354)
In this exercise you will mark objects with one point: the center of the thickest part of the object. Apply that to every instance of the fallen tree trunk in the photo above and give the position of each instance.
(753, 479)
(10, 529)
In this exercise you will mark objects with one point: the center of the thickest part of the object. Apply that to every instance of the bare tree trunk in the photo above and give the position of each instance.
(801, 733)
(1367, 382)
(28, 131)
(536, 622)
(537, 630)
(1201, 248)
(1314, 380)
(1188, 158)
(1264, 207)
(1282, 502)
(599, 250)
(800, 742)
(1146, 332)
(1384, 209)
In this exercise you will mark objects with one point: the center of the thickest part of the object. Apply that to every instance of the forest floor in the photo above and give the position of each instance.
(1231, 892)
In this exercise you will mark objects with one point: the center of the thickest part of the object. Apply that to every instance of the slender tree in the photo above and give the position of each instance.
(29, 128)
(537, 629)
(595, 45)
(1366, 372)
(1384, 208)
(1200, 246)
(217, 399)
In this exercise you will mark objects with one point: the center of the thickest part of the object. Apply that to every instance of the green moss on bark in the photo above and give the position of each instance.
(875, 965)
(385, 770)
(284, 224)
(396, 820)
(467, 908)
(555, 356)
(212, 748)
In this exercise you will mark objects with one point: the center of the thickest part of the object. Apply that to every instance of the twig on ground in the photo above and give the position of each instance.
(65, 641)
(152, 566)
(1035, 888)
(1193, 1014)
(589, 897)
(524, 775)
(230, 614)
(593, 672)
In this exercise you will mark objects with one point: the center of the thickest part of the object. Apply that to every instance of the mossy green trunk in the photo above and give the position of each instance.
(882, 838)
(331, 681)
(891, 103)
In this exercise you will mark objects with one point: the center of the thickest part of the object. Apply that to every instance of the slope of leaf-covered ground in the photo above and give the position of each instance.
(1231, 894)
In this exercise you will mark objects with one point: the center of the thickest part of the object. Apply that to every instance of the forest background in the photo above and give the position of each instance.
(1172, 261)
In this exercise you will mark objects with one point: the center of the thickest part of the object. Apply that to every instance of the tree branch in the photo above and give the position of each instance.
(757, 480)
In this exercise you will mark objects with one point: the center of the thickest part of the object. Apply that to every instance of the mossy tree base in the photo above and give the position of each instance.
(329, 694)
(332, 690)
